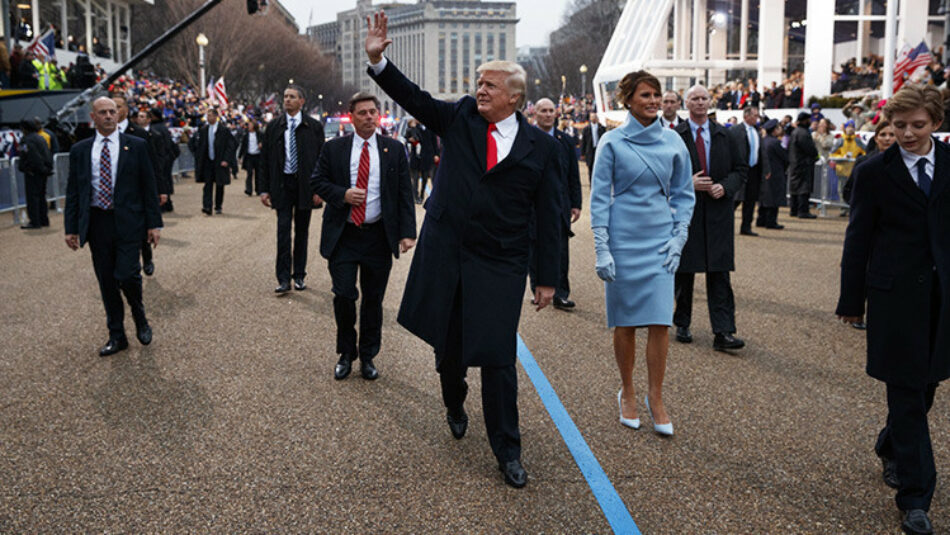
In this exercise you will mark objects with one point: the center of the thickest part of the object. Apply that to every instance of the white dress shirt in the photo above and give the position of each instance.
(114, 149)
(752, 134)
(667, 124)
(252, 145)
(123, 125)
(594, 134)
(506, 129)
(910, 160)
(287, 134)
(374, 206)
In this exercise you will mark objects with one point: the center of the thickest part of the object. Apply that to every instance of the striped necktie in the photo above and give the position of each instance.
(292, 149)
(104, 195)
(358, 213)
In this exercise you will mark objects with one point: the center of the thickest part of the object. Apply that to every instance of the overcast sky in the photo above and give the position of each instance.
(538, 18)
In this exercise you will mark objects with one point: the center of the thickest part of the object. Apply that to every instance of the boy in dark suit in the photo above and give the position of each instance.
(897, 259)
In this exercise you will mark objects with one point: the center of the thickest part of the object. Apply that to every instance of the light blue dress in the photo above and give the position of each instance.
(642, 185)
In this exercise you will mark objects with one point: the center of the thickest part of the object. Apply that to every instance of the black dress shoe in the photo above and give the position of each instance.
(916, 522)
(113, 346)
(514, 473)
(807, 215)
(283, 288)
(563, 304)
(727, 341)
(30, 227)
(343, 367)
(144, 334)
(860, 325)
(248, 193)
(683, 335)
(217, 210)
(368, 370)
(458, 422)
(775, 226)
(299, 284)
(149, 269)
(748, 232)
(890, 473)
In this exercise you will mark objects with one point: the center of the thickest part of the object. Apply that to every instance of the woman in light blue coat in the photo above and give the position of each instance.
(641, 202)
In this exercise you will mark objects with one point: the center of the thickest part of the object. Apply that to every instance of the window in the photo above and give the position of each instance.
(441, 63)
(466, 64)
(490, 48)
(478, 48)
(501, 46)
(454, 62)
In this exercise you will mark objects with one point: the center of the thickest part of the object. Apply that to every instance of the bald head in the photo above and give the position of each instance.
(697, 102)
(545, 113)
(104, 115)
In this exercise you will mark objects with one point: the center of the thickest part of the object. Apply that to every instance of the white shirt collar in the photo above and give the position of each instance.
(693, 125)
(296, 118)
(358, 141)
(549, 132)
(113, 138)
(123, 125)
(507, 127)
(910, 159)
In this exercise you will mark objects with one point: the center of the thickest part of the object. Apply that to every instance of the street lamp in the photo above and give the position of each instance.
(583, 70)
(202, 41)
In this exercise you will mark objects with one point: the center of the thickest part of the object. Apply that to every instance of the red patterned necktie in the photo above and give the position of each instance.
(104, 194)
(492, 158)
(358, 213)
(701, 150)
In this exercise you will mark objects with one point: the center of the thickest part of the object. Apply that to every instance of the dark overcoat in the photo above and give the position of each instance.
(135, 199)
(897, 259)
(711, 242)
(756, 175)
(167, 150)
(474, 237)
(802, 155)
(773, 191)
(310, 137)
(225, 149)
(331, 178)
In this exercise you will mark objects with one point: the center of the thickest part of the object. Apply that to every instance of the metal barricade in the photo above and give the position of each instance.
(9, 190)
(185, 162)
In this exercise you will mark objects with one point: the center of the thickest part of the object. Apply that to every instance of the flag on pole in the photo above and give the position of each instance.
(270, 103)
(910, 60)
(220, 93)
(44, 46)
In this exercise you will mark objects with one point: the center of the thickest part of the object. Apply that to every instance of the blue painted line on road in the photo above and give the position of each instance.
(610, 503)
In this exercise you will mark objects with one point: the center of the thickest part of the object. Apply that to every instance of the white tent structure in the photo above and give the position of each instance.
(703, 41)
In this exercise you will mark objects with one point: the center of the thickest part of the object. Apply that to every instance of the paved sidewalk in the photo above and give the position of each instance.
(231, 421)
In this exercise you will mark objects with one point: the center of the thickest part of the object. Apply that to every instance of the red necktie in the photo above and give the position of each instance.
(358, 213)
(671, 126)
(492, 158)
(701, 150)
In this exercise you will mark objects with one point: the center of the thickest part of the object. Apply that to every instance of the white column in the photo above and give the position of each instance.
(771, 51)
(890, 49)
(64, 23)
(744, 32)
(128, 34)
(913, 22)
(862, 35)
(87, 12)
(819, 47)
(110, 30)
(35, 11)
(699, 30)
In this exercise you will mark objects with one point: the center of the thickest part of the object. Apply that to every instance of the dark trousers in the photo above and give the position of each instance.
(768, 216)
(499, 390)
(106, 249)
(420, 178)
(719, 299)
(254, 165)
(301, 223)
(563, 289)
(752, 186)
(798, 204)
(218, 195)
(364, 252)
(146, 252)
(36, 208)
(906, 440)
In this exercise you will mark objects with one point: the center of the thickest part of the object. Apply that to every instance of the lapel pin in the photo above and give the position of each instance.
(125, 147)
(385, 149)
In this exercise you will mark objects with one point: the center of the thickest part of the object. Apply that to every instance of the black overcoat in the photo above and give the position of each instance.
(135, 199)
(755, 176)
(167, 150)
(225, 149)
(331, 178)
(570, 177)
(711, 242)
(309, 134)
(773, 191)
(897, 259)
(474, 237)
(802, 155)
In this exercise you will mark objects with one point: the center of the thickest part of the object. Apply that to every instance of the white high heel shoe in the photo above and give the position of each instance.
(661, 429)
(633, 423)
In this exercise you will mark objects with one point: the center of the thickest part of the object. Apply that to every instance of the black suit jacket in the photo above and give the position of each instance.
(309, 137)
(587, 144)
(570, 177)
(475, 238)
(225, 150)
(754, 174)
(428, 145)
(897, 258)
(711, 242)
(135, 197)
(331, 178)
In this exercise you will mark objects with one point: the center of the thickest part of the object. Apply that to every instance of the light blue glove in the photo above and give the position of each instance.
(605, 261)
(674, 247)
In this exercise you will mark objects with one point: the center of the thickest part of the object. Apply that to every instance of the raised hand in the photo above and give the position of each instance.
(376, 38)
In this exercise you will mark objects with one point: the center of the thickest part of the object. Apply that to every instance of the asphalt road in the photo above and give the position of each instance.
(231, 420)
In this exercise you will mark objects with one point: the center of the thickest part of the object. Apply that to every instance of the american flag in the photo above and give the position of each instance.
(220, 93)
(44, 46)
(909, 61)
(271, 102)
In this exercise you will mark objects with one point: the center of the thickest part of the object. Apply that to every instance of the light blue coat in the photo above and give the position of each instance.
(642, 184)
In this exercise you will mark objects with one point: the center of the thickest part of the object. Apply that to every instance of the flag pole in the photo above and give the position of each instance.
(890, 48)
